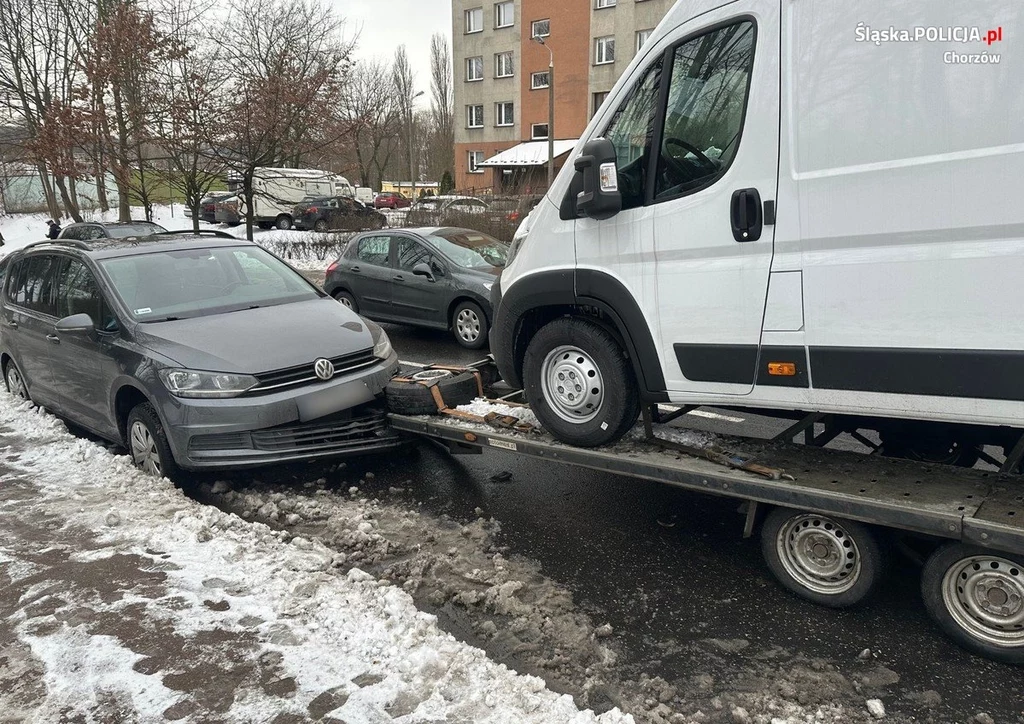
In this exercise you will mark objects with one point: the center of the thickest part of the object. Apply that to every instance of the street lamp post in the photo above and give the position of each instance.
(551, 110)
(412, 153)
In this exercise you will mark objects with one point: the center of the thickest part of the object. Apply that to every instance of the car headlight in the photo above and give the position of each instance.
(190, 383)
(382, 348)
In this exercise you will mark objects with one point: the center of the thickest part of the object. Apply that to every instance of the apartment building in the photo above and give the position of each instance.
(502, 80)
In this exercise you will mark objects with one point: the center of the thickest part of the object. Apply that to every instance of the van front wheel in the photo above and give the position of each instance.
(580, 384)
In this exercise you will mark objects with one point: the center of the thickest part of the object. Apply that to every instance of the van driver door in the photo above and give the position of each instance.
(712, 190)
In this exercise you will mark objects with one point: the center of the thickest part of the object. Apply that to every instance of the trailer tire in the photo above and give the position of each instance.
(580, 383)
(976, 597)
(828, 561)
(414, 398)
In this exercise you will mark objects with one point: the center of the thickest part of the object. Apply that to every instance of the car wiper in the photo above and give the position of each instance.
(244, 309)
(163, 319)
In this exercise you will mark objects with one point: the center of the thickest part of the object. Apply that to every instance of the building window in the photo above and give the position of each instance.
(539, 131)
(641, 38)
(474, 20)
(474, 68)
(475, 159)
(474, 116)
(605, 4)
(540, 29)
(504, 15)
(504, 114)
(539, 80)
(604, 50)
(503, 65)
(599, 99)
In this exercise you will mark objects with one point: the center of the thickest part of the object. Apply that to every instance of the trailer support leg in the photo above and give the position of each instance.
(751, 521)
(1014, 458)
(806, 426)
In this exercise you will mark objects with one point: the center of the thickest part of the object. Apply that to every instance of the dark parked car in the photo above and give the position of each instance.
(431, 277)
(391, 200)
(192, 352)
(208, 206)
(89, 230)
(336, 213)
(226, 211)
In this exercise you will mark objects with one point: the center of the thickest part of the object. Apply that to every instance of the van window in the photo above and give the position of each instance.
(34, 287)
(630, 131)
(77, 293)
(706, 100)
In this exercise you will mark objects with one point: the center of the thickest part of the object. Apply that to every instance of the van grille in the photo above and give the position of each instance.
(304, 375)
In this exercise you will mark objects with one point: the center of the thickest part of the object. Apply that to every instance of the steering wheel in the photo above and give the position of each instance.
(677, 166)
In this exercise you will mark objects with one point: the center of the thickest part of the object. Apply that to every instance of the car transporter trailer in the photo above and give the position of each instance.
(822, 513)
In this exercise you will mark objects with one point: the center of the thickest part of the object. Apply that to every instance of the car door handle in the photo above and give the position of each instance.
(52, 338)
(12, 324)
(398, 278)
(747, 219)
(354, 269)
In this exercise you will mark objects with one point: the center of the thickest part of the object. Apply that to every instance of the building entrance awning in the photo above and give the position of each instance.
(531, 153)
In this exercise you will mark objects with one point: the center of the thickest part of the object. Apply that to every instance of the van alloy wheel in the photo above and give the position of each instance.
(144, 451)
(15, 384)
(572, 384)
(984, 594)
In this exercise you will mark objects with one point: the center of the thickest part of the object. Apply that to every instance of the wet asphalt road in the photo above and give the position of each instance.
(664, 589)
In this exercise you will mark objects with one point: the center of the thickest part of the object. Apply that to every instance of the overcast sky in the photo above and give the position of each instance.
(383, 25)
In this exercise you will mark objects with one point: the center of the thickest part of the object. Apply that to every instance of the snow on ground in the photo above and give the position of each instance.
(302, 249)
(133, 601)
(483, 407)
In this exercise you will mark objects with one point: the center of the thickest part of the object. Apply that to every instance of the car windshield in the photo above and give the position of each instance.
(470, 249)
(123, 231)
(185, 283)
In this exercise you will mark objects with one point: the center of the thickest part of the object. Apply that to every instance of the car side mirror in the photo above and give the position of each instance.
(599, 178)
(423, 270)
(76, 324)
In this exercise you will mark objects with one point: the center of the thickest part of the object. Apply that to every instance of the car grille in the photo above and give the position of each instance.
(304, 374)
(330, 434)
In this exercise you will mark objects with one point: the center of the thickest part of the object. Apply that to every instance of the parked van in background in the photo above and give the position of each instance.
(277, 190)
(792, 206)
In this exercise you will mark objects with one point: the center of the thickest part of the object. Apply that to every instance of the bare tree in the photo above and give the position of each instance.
(374, 113)
(403, 80)
(442, 107)
(287, 61)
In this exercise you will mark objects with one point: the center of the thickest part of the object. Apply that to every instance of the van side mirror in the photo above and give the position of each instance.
(600, 198)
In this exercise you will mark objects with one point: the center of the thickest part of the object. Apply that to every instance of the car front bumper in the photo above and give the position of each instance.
(345, 416)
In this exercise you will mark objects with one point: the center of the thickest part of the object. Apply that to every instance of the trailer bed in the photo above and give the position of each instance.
(976, 507)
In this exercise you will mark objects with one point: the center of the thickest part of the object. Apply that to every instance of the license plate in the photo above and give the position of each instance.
(333, 399)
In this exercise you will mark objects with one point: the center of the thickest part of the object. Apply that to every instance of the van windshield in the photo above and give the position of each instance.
(180, 284)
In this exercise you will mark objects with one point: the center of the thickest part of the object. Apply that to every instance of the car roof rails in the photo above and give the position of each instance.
(201, 232)
(77, 243)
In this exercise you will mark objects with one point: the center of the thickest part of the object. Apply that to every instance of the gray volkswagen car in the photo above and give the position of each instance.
(430, 277)
(192, 352)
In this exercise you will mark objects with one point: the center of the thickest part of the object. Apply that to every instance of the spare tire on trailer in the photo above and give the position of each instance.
(414, 394)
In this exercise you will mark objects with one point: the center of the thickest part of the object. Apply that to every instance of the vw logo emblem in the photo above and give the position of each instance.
(323, 368)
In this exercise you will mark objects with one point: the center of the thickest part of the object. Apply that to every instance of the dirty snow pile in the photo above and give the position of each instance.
(482, 407)
(162, 608)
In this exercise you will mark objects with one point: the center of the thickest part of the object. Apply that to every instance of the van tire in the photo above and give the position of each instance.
(413, 398)
(283, 222)
(577, 350)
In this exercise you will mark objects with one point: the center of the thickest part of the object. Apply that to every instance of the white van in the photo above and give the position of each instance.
(277, 190)
(793, 206)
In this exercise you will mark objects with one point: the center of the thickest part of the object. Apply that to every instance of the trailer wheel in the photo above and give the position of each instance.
(415, 398)
(828, 561)
(977, 597)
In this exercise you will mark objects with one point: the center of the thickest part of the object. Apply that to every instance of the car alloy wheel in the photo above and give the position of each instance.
(467, 324)
(15, 384)
(144, 450)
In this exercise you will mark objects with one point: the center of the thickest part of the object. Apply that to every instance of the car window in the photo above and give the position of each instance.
(630, 131)
(470, 249)
(86, 233)
(706, 100)
(374, 250)
(71, 233)
(77, 293)
(198, 282)
(34, 287)
(410, 253)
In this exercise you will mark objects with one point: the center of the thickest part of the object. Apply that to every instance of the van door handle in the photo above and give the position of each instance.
(53, 339)
(747, 218)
